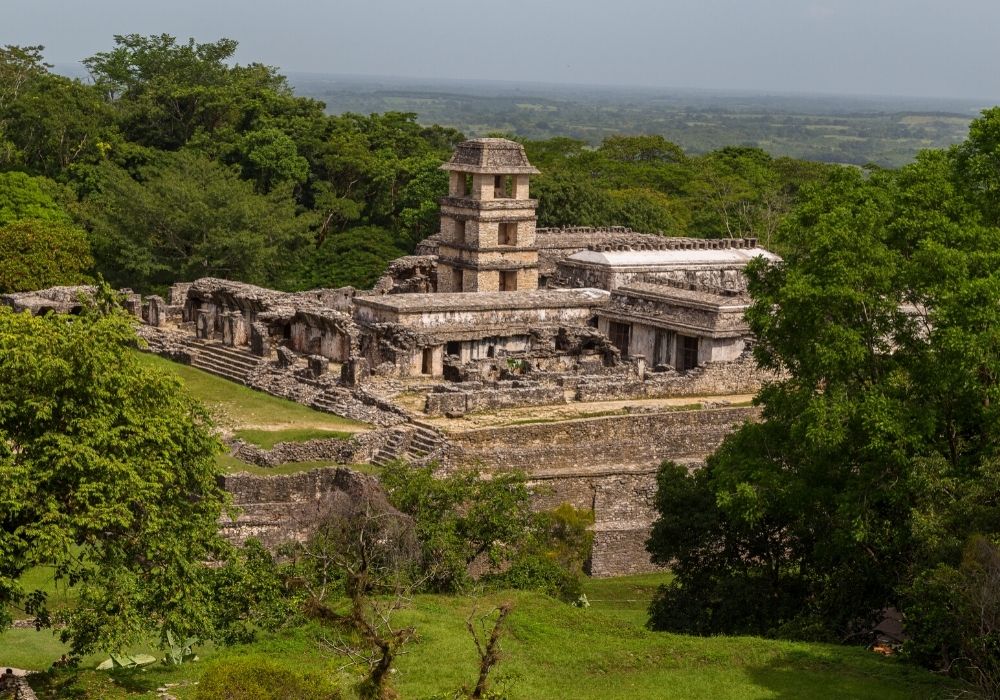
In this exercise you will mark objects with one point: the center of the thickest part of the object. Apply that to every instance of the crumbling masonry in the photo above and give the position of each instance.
(565, 353)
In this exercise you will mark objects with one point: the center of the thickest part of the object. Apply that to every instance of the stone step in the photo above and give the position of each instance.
(237, 358)
(213, 367)
(217, 349)
(221, 363)
(425, 446)
(394, 448)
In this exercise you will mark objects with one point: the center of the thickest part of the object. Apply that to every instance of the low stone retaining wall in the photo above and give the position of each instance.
(279, 509)
(715, 378)
(358, 449)
(15, 687)
(470, 400)
(638, 440)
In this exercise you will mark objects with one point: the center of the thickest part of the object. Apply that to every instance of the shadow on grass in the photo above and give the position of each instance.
(848, 673)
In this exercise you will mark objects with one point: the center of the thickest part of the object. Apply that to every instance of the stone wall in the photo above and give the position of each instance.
(598, 444)
(741, 376)
(474, 397)
(359, 449)
(278, 509)
(623, 505)
(15, 687)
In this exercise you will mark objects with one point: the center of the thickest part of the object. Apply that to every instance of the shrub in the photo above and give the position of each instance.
(953, 617)
(255, 678)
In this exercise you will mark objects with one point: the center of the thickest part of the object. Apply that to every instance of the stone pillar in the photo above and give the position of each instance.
(318, 365)
(203, 325)
(133, 303)
(157, 311)
(260, 340)
(640, 367)
(286, 357)
(355, 371)
(234, 331)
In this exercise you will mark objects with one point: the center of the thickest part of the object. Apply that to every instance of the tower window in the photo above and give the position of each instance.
(508, 281)
(507, 235)
(503, 187)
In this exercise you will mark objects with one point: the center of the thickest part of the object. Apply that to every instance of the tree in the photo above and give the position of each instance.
(876, 454)
(166, 92)
(461, 518)
(25, 197)
(631, 149)
(355, 257)
(35, 254)
(954, 617)
(978, 163)
(373, 551)
(466, 522)
(108, 477)
(185, 217)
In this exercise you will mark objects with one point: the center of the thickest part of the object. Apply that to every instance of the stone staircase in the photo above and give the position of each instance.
(337, 402)
(223, 361)
(411, 442)
(426, 440)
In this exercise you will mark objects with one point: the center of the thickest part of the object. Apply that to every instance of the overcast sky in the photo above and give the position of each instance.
(932, 48)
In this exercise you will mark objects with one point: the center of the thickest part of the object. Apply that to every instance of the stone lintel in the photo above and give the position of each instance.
(478, 264)
(449, 203)
(672, 325)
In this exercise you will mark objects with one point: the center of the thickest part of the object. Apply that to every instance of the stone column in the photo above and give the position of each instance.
(157, 311)
(203, 325)
(260, 340)
(355, 371)
(133, 303)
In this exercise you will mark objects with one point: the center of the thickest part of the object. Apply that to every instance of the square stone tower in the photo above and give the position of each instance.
(487, 220)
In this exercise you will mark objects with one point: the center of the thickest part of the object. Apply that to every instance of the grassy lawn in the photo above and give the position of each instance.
(240, 408)
(553, 650)
(269, 438)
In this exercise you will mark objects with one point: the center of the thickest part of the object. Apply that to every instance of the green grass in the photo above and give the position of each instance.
(269, 438)
(554, 650)
(240, 407)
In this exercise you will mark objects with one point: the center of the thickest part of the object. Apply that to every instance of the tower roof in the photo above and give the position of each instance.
(490, 157)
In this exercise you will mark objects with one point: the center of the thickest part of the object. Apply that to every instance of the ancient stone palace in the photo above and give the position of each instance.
(582, 356)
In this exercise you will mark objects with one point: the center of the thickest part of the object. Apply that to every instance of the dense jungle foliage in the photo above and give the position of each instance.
(175, 164)
(873, 481)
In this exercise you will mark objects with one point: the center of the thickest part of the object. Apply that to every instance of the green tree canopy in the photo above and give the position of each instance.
(108, 476)
(187, 217)
(878, 455)
(25, 197)
(35, 254)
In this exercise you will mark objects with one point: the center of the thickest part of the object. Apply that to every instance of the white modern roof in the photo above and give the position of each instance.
(671, 258)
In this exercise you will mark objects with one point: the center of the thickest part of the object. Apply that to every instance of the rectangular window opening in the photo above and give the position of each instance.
(508, 281)
(507, 234)
(687, 352)
(619, 334)
(503, 187)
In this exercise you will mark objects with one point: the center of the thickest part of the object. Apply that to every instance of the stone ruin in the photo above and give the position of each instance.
(492, 314)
